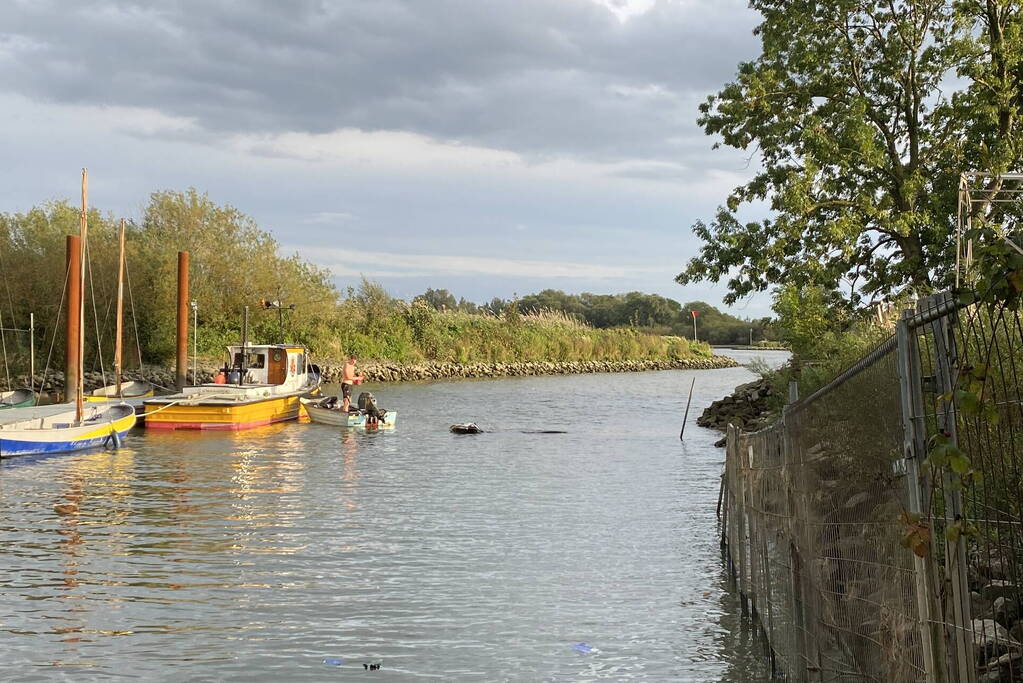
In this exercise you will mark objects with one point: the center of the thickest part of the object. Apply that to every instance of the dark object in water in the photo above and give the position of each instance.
(371, 667)
(543, 431)
(470, 428)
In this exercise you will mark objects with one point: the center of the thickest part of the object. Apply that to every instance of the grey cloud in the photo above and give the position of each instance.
(539, 77)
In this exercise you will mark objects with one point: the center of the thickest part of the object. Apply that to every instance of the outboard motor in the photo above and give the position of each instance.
(366, 401)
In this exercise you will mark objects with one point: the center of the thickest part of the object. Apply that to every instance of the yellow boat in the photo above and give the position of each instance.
(262, 385)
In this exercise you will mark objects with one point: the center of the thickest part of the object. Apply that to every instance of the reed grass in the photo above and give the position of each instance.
(376, 327)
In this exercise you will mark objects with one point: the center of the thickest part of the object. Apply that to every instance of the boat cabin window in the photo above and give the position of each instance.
(253, 361)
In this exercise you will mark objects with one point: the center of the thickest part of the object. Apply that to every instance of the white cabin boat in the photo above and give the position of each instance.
(263, 384)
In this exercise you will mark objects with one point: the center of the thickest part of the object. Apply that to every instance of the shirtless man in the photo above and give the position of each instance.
(348, 379)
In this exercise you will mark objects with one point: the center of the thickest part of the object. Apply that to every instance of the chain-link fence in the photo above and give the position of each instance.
(875, 532)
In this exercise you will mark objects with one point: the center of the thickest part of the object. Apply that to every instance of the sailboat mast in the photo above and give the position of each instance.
(84, 236)
(118, 342)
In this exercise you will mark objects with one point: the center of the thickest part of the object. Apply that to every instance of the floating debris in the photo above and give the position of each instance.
(333, 661)
(372, 667)
(467, 428)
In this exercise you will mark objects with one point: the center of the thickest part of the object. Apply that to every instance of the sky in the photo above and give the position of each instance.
(489, 147)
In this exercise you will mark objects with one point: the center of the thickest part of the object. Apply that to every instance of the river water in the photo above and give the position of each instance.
(259, 556)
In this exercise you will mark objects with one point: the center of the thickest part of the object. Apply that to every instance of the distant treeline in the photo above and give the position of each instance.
(649, 312)
(235, 264)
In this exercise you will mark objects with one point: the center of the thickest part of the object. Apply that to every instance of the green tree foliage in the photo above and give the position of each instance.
(439, 299)
(233, 265)
(651, 312)
(496, 307)
(807, 320)
(863, 113)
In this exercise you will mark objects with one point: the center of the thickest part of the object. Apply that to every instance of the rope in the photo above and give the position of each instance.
(10, 303)
(95, 313)
(53, 339)
(3, 340)
(134, 321)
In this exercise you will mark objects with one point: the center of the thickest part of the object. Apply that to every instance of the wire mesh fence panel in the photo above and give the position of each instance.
(824, 504)
(988, 346)
(876, 529)
(850, 488)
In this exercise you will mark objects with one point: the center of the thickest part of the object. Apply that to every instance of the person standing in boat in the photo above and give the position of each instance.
(349, 377)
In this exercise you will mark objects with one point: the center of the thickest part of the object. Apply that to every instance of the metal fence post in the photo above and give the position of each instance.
(799, 608)
(945, 367)
(740, 543)
(914, 450)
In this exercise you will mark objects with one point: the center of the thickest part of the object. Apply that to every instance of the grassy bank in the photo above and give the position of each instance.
(374, 326)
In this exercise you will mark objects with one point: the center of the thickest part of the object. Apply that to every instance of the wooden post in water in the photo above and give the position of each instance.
(686, 416)
(74, 305)
(181, 373)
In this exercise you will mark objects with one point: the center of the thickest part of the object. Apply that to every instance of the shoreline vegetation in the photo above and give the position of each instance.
(235, 264)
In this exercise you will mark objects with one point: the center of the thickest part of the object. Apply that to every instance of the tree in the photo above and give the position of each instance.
(649, 310)
(806, 317)
(552, 299)
(233, 264)
(439, 299)
(860, 146)
(497, 306)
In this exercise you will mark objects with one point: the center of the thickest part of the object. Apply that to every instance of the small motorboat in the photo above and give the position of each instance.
(365, 414)
(19, 398)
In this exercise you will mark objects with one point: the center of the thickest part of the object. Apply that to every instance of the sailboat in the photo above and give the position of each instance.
(68, 427)
(120, 390)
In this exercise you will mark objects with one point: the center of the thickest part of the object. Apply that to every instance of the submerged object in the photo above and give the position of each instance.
(468, 428)
(585, 648)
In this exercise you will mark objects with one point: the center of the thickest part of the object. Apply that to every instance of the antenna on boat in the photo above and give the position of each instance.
(278, 303)
(84, 237)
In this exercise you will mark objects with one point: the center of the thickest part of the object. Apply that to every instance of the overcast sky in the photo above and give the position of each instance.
(489, 147)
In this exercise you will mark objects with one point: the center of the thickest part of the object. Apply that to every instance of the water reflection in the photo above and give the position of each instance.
(254, 555)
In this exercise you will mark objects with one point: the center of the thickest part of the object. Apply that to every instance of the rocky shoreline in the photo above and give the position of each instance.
(746, 408)
(398, 372)
(996, 608)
